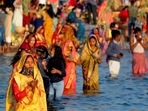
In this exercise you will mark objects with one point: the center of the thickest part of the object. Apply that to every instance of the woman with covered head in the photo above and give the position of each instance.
(72, 59)
(25, 90)
(90, 58)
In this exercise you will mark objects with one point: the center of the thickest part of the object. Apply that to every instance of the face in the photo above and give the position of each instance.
(32, 41)
(29, 63)
(92, 42)
(118, 38)
(138, 34)
(96, 31)
(52, 52)
(38, 54)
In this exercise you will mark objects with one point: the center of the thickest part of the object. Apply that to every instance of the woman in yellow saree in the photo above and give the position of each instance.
(90, 58)
(25, 90)
(48, 15)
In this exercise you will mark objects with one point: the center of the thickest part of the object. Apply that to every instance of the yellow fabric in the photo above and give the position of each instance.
(35, 100)
(48, 24)
(90, 68)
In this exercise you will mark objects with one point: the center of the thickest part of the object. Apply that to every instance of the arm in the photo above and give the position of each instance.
(132, 44)
(61, 71)
(19, 95)
(109, 51)
(143, 44)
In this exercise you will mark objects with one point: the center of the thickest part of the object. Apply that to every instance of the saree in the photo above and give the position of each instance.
(70, 79)
(139, 64)
(34, 100)
(90, 68)
(48, 24)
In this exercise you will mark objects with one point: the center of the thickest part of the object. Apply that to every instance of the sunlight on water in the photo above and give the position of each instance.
(126, 93)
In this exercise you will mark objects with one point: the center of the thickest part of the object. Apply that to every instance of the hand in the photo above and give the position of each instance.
(54, 71)
(119, 56)
(139, 39)
(28, 89)
(33, 83)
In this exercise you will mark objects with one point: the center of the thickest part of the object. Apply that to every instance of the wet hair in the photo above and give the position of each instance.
(137, 29)
(17, 56)
(58, 55)
(43, 50)
(115, 33)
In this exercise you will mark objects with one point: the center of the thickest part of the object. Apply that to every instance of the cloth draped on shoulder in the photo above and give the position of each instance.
(70, 79)
(90, 60)
(35, 100)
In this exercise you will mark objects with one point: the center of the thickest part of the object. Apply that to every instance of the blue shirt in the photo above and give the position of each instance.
(112, 50)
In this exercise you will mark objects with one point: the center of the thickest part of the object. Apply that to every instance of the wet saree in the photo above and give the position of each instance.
(34, 100)
(70, 79)
(90, 69)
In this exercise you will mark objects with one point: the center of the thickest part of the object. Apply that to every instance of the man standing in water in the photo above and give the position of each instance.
(114, 54)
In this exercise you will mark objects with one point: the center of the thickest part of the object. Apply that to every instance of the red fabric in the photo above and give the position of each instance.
(123, 15)
(25, 46)
(26, 20)
(72, 3)
(19, 95)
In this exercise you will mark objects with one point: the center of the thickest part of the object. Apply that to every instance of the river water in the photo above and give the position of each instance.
(126, 93)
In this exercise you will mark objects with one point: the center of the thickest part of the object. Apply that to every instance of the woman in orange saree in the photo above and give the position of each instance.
(72, 59)
(25, 90)
(90, 58)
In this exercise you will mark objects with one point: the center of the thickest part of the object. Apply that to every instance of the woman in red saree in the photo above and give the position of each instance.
(72, 59)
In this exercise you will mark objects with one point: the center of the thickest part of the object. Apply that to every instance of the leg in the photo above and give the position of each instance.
(59, 87)
(114, 67)
(94, 12)
(46, 86)
(2, 34)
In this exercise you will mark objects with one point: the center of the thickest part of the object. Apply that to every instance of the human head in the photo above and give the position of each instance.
(41, 51)
(27, 67)
(92, 40)
(56, 51)
(137, 31)
(31, 39)
(116, 35)
(29, 63)
(96, 30)
(113, 26)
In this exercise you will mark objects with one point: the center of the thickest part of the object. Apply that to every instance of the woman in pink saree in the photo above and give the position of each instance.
(72, 59)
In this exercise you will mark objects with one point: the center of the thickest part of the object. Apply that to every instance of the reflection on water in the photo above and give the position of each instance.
(126, 93)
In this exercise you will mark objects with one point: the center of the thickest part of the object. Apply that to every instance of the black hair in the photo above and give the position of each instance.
(115, 33)
(113, 25)
(50, 11)
(137, 29)
(43, 50)
(17, 56)
(58, 55)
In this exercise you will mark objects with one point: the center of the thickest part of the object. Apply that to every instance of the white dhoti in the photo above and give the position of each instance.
(114, 67)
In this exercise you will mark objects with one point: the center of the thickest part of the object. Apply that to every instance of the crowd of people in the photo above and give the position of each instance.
(52, 45)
